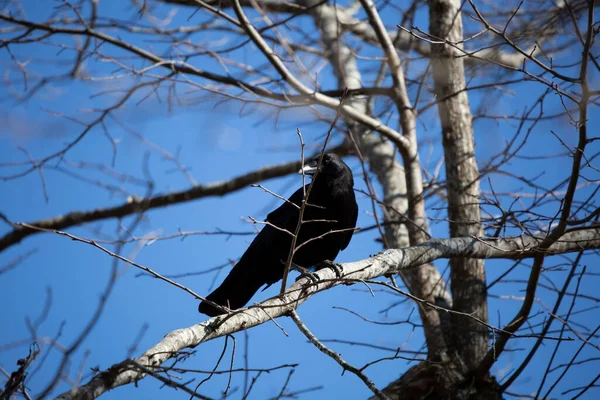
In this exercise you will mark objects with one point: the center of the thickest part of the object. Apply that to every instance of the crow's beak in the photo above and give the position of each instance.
(310, 168)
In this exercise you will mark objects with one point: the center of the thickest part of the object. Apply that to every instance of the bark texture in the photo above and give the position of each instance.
(462, 176)
(421, 381)
(402, 187)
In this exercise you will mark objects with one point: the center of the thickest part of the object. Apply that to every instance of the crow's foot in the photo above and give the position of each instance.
(305, 273)
(338, 269)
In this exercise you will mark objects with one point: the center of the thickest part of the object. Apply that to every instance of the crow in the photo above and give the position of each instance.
(329, 220)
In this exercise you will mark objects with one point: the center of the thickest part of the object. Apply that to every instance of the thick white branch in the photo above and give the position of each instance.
(347, 110)
(386, 262)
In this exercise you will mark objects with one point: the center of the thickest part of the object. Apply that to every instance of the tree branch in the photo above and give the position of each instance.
(135, 204)
(387, 262)
(286, 75)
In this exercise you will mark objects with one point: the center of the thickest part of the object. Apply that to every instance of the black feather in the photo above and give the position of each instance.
(331, 205)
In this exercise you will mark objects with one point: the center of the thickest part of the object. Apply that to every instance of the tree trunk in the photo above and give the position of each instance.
(424, 282)
(462, 179)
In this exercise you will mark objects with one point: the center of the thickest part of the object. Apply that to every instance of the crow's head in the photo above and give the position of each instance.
(332, 166)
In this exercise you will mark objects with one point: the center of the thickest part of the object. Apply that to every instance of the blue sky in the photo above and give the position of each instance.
(216, 143)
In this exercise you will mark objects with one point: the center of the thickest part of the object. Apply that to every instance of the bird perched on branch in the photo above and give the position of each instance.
(328, 222)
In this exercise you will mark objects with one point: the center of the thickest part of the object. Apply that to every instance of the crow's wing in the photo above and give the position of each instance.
(286, 215)
(352, 218)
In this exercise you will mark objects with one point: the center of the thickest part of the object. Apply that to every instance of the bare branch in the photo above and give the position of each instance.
(387, 262)
(135, 204)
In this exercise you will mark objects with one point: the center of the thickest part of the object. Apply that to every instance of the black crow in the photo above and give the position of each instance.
(331, 207)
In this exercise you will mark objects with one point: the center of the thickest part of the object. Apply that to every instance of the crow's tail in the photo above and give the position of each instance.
(236, 290)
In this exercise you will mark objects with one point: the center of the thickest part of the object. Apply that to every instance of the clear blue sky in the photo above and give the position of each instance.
(215, 143)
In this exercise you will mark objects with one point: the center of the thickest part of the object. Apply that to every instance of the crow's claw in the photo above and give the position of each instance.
(337, 268)
(304, 273)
